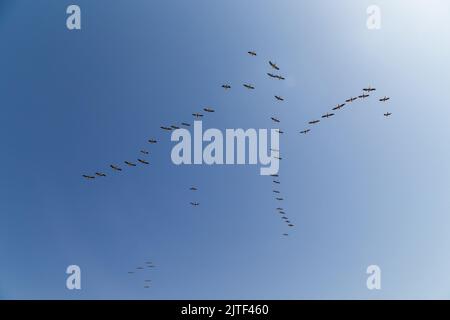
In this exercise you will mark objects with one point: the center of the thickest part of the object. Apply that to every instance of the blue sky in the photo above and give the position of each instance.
(361, 189)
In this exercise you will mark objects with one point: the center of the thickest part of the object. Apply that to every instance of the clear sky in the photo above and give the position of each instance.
(360, 188)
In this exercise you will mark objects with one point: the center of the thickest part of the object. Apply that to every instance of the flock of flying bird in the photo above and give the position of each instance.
(276, 181)
(148, 265)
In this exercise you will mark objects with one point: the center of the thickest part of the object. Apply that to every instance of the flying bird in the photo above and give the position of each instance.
(88, 177)
(130, 164)
(277, 182)
(314, 122)
(327, 115)
(226, 86)
(175, 127)
(279, 98)
(351, 99)
(152, 141)
(100, 174)
(387, 114)
(273, 65)
(197, 115)
(275, 76)
(276, 191)
(248, 86)
(384, 99)
(252, 53)
(305, 131)
(279, 199)
(166, 128)
(195, 203)
(193, 189)
(185, 124)
(369, 89)
(363, 96)
(144, 151)
(143, 161)
(275, 119)
(115, 168)
(208, 109)
(339, 106)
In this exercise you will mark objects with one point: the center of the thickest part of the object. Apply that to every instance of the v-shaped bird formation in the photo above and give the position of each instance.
(274, 74)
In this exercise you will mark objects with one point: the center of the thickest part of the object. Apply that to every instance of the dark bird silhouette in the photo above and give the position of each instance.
(273, 65)
(327, 115)
(351, 99)
(115, 168)
(387, 114)
(275, 120)
(88, 177)
(185, 124)
(305, 131)
(130, 163)
(100, 174)
(279, 98)
(152, 141)
(314, 122)
(384, 99)
(248, 86)
(195, 203)
(208, 109)
(166, 128)
(144, 152)
(252, 53)
(197, 115)
(226, 86)
(369, 89)
(143, 161)
(339, 106)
